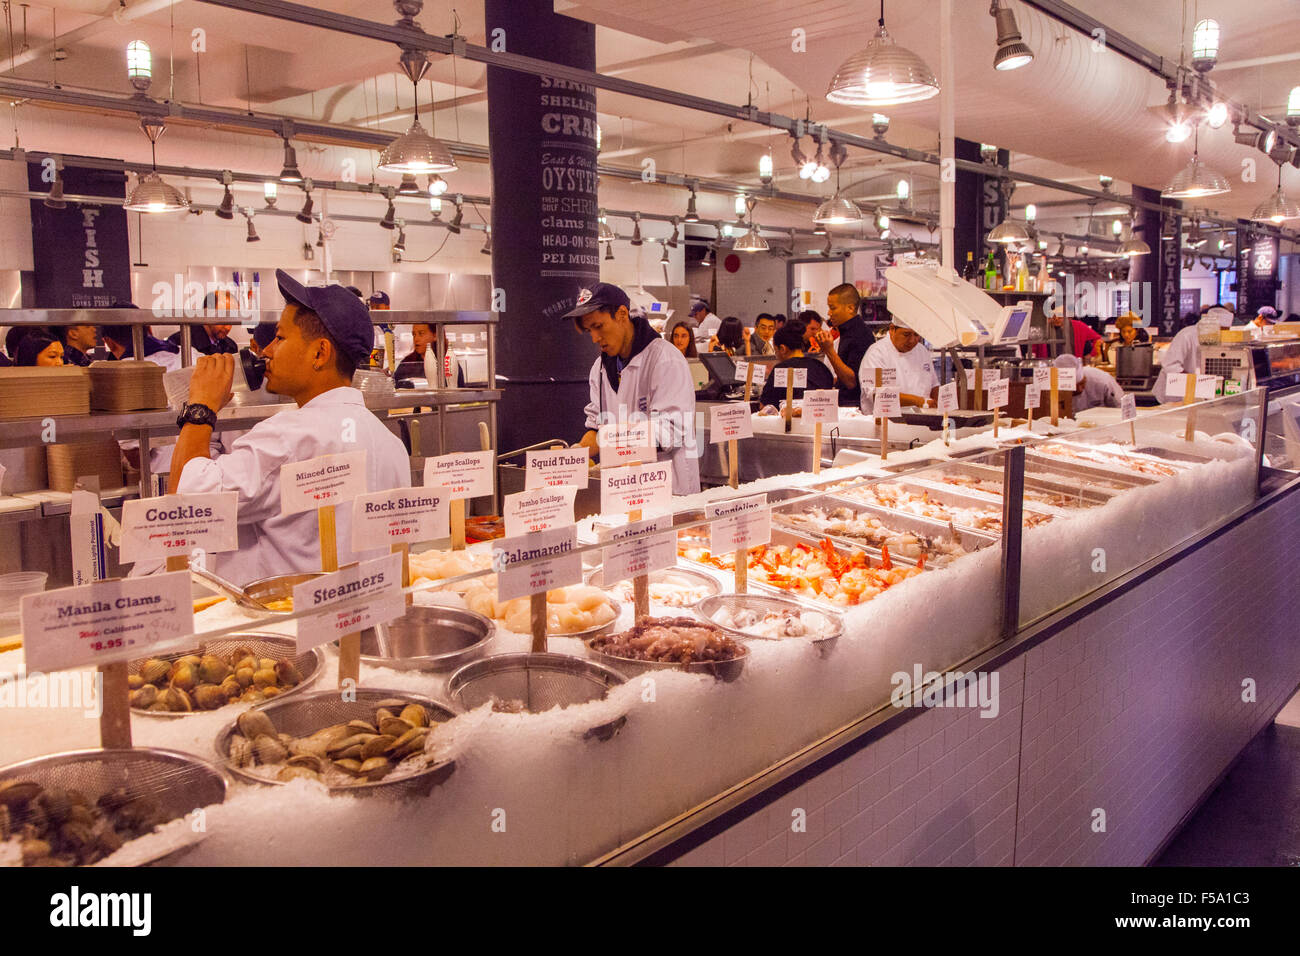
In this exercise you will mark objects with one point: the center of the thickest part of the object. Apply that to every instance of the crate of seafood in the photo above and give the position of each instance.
(943, 505)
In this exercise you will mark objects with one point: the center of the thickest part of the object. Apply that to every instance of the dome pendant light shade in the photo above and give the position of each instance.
(416, 152)
(882, 74)
(751, 241)
(1196, 180)
(1279, 207)
(604, 232)
(839, 210)
(1009, 232)
(151, 194)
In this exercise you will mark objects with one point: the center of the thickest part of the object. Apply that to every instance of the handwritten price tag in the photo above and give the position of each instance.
(528, 512)
(328, 480)
(729, 421)
(822, 405)
(645, 487)
(625, 443)
(1043, 378)
(360, 596)
(948, 397)
(1207, 386)
(888, 377)
(885, 403)
(107, 621)
(999, 393)
(1033, 397)
(554, 469)
(463, 474)
(535, 563)
(176, 524)
(1127, 407)
(399, 516)
(1067, 379)
(739, 523)
(639, 548)
(781, 377)
(760, 372)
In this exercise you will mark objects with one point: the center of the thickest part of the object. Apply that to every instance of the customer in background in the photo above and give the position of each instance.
(851, 342)
(1094, 388)
(12, 338)
(1127, 332)
(78, 341)
(39, 349)
(212, 339)
(263, 335)
(730, 337)
(761, 342)
(379, 301)
(117, 339)
(789, 346)
(706, 323)
(1265, 317)
(681, 338)
(412, 365)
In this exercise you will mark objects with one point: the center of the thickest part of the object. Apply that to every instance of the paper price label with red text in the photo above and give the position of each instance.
(781, 377)
(1067, 379)
(534, 563)
(1043, 378)
(1128, 407)
(107, 621)
(557, 468)
(636, 487)
(467, 474)
(728, 422)
(948, 397)
(999, 393)
(639, 548)
(399, 516)
(739, 523)
(528, 512)
(328, 480)
(625, 443)
(822, 405)
(1206, 385)
(367, 593)
(177, 524)
(1033, 397)
(885, 403)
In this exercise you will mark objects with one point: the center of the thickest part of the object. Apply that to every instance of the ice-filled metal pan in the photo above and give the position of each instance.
(899, 521)
(1103, 479)
(945, 500)
(1086, 495)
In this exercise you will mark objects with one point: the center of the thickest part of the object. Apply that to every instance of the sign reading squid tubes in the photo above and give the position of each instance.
(544, 224)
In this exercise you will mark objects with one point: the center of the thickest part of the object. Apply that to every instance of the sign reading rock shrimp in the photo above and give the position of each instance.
(399, 516)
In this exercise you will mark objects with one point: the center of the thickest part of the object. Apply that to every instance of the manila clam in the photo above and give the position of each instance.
(60, 827)
(207, 681)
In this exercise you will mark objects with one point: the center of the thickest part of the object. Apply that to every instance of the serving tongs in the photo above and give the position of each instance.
(229, 590)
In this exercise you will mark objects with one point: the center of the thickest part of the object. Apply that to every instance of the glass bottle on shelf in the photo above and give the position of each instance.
(969, 272)
(991, 274)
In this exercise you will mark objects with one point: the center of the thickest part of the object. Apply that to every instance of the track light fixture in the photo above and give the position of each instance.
(879, 125)
(54, 199)
(400, 244)
(487, 242)
(289, 172)
(252, 232)
(1013, 52)
(636, 229)
(305, 215)
(408, 186)
(437, 185)
(609, 251)
(454, 226)
(663, 259)
(227, 208)
(672, 240)
(269, 192)
(390, 214)
(691, 214)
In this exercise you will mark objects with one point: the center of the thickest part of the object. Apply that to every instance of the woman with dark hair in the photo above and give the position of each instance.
(789, 341)
(679, 335)
(39, 349)
(730, 337)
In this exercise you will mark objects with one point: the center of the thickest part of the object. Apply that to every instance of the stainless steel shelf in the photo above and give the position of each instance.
(168, 317)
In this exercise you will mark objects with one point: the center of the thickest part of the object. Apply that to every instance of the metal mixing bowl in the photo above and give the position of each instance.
(428, 638)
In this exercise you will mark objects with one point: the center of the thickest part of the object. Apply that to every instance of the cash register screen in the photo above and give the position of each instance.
(1014, 325)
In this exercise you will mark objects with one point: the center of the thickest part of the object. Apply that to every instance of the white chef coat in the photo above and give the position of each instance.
(1097, 389)
(270, 544)
(916, 374)
(1182, 355)
(708, 327)
(656, 383)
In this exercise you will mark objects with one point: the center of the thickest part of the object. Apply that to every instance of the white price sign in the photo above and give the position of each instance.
(553, 469)
(822, 405)
(1043, 378)
(115, 620)
(528, 512)
(888, 377)
(637, 487)
(999, 393)
(177, 524)
(1033, 397)
(885, 403)
(1067, 379)
(318, 482)
(1207, 386)
(370, 593)
(739, 523)
(463, 474)
(730, 421)
(760, 372)
(948, 397)
(625, 443)
(535, 563)
(1127, 407)
(781, 377)
(970, 378)
(639, 548)
(399, 516)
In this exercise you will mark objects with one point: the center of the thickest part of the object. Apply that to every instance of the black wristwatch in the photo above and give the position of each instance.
(195, 413)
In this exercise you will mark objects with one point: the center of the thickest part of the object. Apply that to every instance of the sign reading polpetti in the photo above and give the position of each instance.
(729, 422)
(557, 468)
(999, 393)
(399, 516)
(370, 593)
(317, 482)
(106, 621)
(531, 564)
(177, 524)
(463, 475)
(739, 523)
(646, 487)
(528, 512)
(639, 547)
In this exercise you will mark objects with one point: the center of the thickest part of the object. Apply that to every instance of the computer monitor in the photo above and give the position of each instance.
(1013, 324)
(699, 374)
(721, 368)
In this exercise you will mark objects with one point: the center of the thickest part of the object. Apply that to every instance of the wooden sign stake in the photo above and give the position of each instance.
(995, 421)
(979, 388)
(882, 424)
(789, 398)
(349, 644)
(817, 449)
(640, 582)
(742, 570)
(537, 618)
(1189, 398)
(733, 468)
(1056, 395)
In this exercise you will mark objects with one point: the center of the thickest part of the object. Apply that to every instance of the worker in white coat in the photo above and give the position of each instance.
(900, 349)
(638, 377)
(323, 334)
(1184, 352)
(1093, 387)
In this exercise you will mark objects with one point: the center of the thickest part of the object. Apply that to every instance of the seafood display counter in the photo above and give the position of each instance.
(685, 736)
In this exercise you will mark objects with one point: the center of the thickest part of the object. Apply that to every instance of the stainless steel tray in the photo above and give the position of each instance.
(901, 521)
(940, 496)
(428, 638)
(1051, 486)
(762, 602)
(1038, 461)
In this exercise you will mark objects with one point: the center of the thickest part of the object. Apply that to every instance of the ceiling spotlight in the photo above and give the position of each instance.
(1281, 152)
(435, 206)
(1116, 228)
(765, 169)
(818, 228)
(1205, 45)
(408, 186)
(227, 208)
(390, 214)
(400, 244)
(672, 240)
(308, 253)
(139, 66)
(1245, 135)
(54, 198)
(609, 251)
(396, 254)
(636, 230)
(807, 167)
(822, 172)
(1217, 115)
(882, 74)
(706, 261)
(663, 259)
(726, 230)
(1031, 212)
(691, 214)
(269, 191)
(1178, 131)
(252, 233)
(1105, 182)
(903, 191)
(304, 215)
(289, 173)
(487, 242)
(1013, 52)
(437, 185)
(740, 205)
(454, 226)
(320, 238)
(988, 153)
(1293, 107)
(879, 125)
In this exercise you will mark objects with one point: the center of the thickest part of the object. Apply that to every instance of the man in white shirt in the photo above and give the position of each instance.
(322, 336)
(900, 349)
(1094, 388)
(706, 323)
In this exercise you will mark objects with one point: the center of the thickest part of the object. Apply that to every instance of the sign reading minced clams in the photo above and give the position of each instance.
(534, 563)
(177, 524)
(637, 488)
(106, 621)
(739, 523)
(369, 592)
(399, 516)
(317, 482)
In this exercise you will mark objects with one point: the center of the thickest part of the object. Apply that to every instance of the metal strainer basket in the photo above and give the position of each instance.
(304, 715)
(762, 603)
(308, 663)
(536, 683)
(180, 783)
